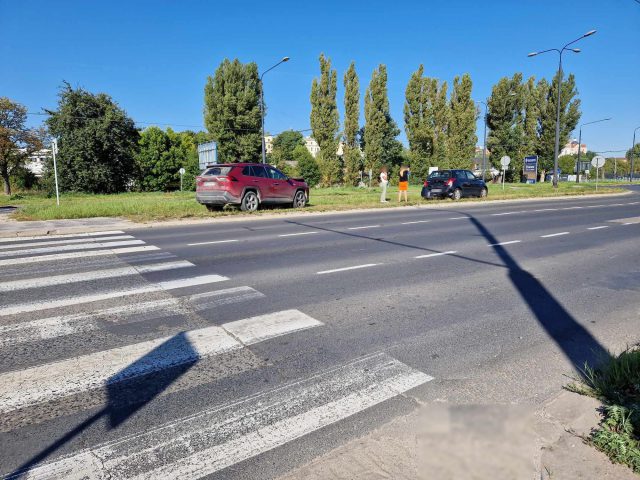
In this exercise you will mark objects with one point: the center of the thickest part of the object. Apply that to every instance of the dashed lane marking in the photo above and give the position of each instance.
(598, 228)
(554, 235)
(438, 254)
(212, 242)
(296, 234)
(362, 228)
(503, 243)
(355, 267)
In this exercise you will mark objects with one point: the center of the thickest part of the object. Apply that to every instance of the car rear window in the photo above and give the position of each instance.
(217, 171)
(440, 175)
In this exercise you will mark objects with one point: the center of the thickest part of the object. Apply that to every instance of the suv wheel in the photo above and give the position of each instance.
(299, 199)
(483, 192)
(457, 194)
(249, 202)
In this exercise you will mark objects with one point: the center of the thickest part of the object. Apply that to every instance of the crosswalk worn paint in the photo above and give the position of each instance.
(112, 383)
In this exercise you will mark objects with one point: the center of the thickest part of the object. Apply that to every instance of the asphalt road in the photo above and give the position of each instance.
(243, 349)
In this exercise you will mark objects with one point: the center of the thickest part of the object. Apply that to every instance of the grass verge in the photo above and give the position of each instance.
(143, 207)
(617, 384)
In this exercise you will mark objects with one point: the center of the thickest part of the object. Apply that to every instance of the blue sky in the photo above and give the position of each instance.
(153, 57)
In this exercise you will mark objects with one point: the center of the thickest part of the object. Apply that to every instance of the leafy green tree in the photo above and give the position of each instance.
(567, 163)
(307, 167)
(532, 100)
(325, 121)
(17, 141)
(381, 146)
(461, 132)
(505, 121)
(569, 117)
(418, 121)
(232, 111)
(351, 152)
(286, 141)
(97, 142)
(635, 151)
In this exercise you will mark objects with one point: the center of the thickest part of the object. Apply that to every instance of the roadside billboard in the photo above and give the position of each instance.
(207, 154)
(530, 168)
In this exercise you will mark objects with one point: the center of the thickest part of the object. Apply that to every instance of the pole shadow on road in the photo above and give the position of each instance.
(575, 341)
(128, 391)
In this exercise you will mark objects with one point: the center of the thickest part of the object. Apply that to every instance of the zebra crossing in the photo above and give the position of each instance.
(62, 301)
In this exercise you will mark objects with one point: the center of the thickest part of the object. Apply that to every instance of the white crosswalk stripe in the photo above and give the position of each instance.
(64, 242)
(76, 300)
(62, 325)
(219, 437)
(82, 254)
(64, 248)
(91, 275)
(66, 235)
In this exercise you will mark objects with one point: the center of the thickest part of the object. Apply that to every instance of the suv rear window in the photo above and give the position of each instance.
(217, 171)
(440, 175)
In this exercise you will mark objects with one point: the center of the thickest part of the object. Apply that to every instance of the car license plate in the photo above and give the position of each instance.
(436, 190)
(210, 184)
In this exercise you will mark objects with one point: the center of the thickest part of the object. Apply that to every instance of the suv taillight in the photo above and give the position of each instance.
(426, 183)
(450, 182)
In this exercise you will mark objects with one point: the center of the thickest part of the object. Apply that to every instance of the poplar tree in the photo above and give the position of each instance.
(569, 117)
(418, 121)
(325, 121)
(440, 124)
(532, 103)
(380, 144)
(461, 132)
(505, 121)
(351, 151)
(232, 111)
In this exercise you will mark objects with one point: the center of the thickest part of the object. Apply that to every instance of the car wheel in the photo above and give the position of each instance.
(249, 202)
(214, 208)
(299, 199)
(457, 194)
(483, 192)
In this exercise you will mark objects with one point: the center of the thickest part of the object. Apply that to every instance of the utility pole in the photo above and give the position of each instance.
(264, 154)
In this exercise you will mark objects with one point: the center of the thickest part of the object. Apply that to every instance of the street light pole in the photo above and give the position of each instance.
(285, 59)
(557, 142)
(484, 141)
(632, 147)
(580, 145)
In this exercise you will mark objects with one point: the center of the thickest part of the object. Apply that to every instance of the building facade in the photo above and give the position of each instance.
(571, 148)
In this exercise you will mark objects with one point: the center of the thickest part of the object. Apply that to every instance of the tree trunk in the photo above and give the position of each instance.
(7, 184)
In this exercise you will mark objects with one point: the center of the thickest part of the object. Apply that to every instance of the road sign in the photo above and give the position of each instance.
(531, 163)
(207, 154)
(598, 161)
(182, 170)
(505, 161)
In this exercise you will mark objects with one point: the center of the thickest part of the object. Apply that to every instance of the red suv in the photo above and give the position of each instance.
(248, 185)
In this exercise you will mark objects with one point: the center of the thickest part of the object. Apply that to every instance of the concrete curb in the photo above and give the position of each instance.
(129, 225)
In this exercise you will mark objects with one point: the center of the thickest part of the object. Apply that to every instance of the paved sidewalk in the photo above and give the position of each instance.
(13, 228)
(443, 441)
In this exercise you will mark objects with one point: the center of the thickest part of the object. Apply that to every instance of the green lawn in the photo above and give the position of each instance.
(161, 206)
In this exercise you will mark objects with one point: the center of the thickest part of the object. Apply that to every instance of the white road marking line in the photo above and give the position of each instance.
(554, 235)
(616, 204)
(64, 242)
(545, 210)
(594, 206)
(63, 248)
(59, 326)
(92, 275)
(451, 252)
(571, 208)
(296, 234)
(67, 235)
(598, 228)
(633, 203)
(44, 383)
(503, 243)
(81, 254)
(348, 268)
(628, 223)
(457, 218)
(219, 437)
(65, 302)
(362, 228)
(256, 329)
(211, 243)
(415, 221)
(504, 213)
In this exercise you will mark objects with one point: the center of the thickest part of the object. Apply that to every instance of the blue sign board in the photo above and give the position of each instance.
(531, 163)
